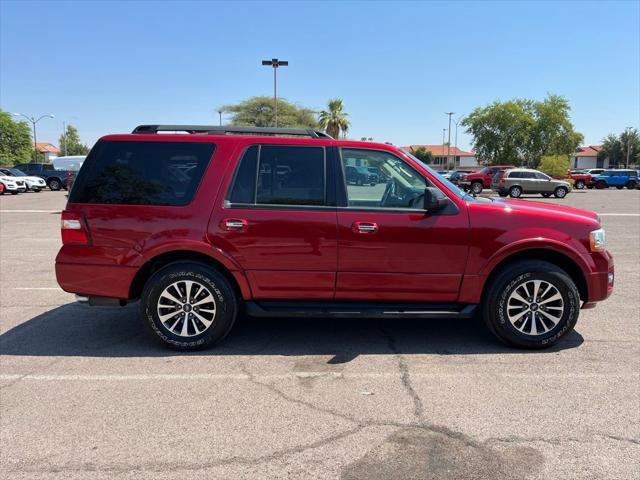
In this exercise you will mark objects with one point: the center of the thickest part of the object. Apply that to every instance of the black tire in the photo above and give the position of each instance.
(14, 193)
(580, 184)
(619, 187)
(225, 305)
(476, 187)
(601, 184)
(560, 192)
(632, 185)
(546, 195)
(36, 190)
(54, 184)
(515, 191)
(502, 194)
(509, 279)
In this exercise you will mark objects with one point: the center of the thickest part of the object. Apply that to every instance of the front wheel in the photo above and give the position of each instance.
(580, 184)
(560, 192)
(515, 192)
(189, 306)
(632, 185)
(476, 188)
(55, 184)
(531, 304)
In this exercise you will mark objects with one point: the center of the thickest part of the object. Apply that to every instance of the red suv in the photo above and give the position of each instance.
(482, 178)
(229, 220)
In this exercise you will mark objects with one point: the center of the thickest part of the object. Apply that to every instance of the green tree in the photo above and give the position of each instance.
(424, 155)
(70, 142)
(15, 141)
(522, 130)
(258, 112)
(334, 119)
(614, 147)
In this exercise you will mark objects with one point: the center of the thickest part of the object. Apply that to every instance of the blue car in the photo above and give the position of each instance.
(616, 178)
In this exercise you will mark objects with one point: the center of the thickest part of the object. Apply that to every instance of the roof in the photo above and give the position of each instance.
(440, 150)
(47, 148)
(590, 151)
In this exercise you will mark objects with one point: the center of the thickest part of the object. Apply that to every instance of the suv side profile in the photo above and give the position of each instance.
(616, 178)
(230, 220)
(517, 181)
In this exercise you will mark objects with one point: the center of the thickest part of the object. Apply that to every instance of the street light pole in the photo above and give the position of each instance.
(456, 136)
(628, 145)
(64, 136)
(275, 63)
(220, 113)
(449, 142)
(33, 123)
(443, 130)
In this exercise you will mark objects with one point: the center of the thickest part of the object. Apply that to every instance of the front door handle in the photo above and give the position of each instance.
(234, 224)
(367, 228)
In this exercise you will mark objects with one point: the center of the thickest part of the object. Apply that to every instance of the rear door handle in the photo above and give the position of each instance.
(234, 224)
(364, 227)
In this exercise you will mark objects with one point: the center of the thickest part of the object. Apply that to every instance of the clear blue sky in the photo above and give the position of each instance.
(108, 66)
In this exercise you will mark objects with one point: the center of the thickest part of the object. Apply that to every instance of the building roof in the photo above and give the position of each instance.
(47, 148)
(590, 151)
(440, 150)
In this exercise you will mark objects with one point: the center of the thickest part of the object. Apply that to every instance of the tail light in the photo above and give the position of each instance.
(73, 229)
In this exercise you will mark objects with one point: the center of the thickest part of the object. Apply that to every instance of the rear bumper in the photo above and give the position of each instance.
(95, 280)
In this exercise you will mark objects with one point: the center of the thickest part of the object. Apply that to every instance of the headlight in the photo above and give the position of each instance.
(597, 240)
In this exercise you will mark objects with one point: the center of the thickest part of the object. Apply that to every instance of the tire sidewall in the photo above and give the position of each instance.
(560, 195)
(496, 310)
(476, 187)
(55, 184)
(226, 308)
(515, 192)
(580, 184)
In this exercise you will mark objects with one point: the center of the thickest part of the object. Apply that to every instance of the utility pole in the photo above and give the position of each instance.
(443, 130)
(275, 63)
(64, 136)
(449, 143)
(220, 113)
(457, 122)
(628, 144)
(33, 123)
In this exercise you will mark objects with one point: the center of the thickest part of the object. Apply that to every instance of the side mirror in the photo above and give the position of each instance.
(434, 199)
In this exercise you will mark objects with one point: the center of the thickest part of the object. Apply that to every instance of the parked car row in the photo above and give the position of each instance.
(37, 176)
(14, 181)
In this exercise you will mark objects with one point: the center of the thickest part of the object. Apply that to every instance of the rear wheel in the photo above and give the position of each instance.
(560, 192)
(515, 191)
(632, 185)
(54, 184)
(531, 304)
(580, 184)
(476, 187)
(189, 306)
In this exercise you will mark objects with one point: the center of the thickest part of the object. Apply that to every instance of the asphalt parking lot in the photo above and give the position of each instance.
(86, 393)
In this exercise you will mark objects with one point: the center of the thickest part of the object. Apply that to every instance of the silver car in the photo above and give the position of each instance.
(517, 181)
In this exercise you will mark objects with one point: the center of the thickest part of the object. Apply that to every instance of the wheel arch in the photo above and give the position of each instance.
(237, 279)
(558, 258)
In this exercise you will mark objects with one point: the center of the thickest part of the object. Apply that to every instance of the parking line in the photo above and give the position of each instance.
(30, 211)
(619, 214)
(37, 288)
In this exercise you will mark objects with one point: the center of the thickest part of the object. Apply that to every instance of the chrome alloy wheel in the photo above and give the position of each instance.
(186, 308)
(535, 307)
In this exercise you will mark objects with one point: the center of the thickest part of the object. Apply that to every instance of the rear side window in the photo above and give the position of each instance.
(142, 173)
(280, 175)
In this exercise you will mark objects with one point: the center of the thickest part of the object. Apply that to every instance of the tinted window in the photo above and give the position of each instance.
(244, 183)
(515, 175)
(46, 167)
(541, 176)
(528, 175)
(142, 173)
(291, 176)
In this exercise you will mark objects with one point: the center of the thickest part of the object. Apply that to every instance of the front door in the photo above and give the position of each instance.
(279, 222)
(389, 248)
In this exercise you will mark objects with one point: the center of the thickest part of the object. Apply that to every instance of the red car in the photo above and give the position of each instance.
(202, 227)
(482, 178)
(581, 178)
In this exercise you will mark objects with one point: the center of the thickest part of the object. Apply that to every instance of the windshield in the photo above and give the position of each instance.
(17, 173)
(451, 186)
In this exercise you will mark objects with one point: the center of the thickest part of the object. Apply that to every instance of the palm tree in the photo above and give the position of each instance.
(334, 120)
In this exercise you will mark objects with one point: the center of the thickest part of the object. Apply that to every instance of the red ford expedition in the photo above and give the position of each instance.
(482, 178)
(225, 220)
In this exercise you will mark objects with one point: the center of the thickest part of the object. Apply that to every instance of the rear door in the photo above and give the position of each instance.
(279, 222)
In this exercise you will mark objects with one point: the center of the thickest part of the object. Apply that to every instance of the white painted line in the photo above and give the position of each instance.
(283, 376)
(37, 288)
(30, 211)
(619, 214)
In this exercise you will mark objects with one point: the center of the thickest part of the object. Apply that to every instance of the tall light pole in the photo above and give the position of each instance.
(33, 123)
(449, 142)
(443, 130)
(275, 63)
(628, 129)
(220, 113)
(457, 122)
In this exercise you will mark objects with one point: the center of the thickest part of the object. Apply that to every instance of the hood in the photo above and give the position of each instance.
(6, 178)
(550, 208)
(31, 179)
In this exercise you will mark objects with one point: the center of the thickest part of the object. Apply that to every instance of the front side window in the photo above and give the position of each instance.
(542, 176)
(280, 175)
(142, 173)
(376, 179)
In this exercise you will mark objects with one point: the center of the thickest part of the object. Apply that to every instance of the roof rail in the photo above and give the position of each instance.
(231, 130)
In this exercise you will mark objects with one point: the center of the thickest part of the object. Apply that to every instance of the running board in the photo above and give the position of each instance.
(272, 309)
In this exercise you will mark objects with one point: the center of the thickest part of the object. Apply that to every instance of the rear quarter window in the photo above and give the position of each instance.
(142, 173)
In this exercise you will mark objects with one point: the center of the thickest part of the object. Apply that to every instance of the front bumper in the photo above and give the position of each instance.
(601, 280)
